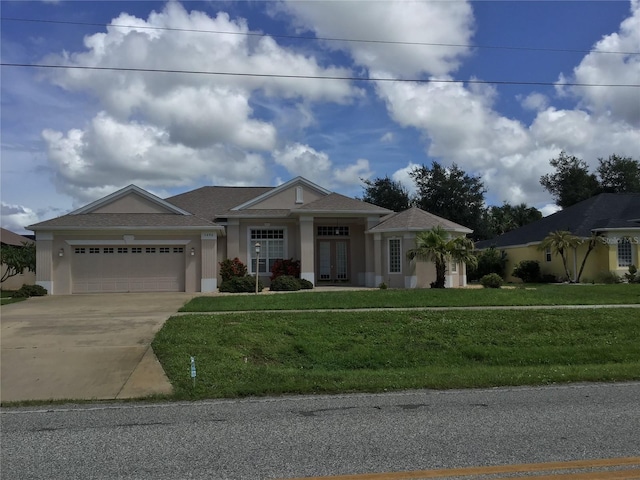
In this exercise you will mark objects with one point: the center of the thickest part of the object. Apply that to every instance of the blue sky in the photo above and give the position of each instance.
(70, 136)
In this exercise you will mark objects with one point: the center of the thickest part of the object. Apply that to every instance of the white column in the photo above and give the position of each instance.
(44, 260)
(307, 250)
(209, 259)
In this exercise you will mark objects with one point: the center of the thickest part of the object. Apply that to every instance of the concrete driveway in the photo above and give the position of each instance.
(84, 346)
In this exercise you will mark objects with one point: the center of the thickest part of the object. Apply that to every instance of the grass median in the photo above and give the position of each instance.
(374, 298)
(255, 354)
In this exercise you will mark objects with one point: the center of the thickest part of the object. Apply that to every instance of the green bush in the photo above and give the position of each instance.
(27, 291)
(632, 276)
(490, 260)
(285, 283)
(608, 277)
(305, 284)
(528, 271)
(241, 285)
(232, 268)
(492, 280)
(383, 286)
(548, 278)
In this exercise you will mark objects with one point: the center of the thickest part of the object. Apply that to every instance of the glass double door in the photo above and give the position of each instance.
(333, 261)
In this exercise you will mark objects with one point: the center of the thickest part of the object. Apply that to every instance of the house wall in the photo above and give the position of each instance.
(15, 282)
(287, 198)
(131, 203)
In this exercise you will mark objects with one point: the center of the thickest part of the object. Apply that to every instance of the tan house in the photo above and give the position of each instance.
(133, 241)
(614, 217)
(7, 237)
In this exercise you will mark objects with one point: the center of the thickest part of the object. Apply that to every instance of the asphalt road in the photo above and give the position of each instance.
(321, 436)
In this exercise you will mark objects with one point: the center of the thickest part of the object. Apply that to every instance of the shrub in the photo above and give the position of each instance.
(285, 283)
(383, 286)
(285, 266)
(305, 284)
(492, 280)
(232, 268)
(608, 277)
(548, 278)
(27, 291)
(632, 276)
(490, 260)
(528, 271)
(241, 284)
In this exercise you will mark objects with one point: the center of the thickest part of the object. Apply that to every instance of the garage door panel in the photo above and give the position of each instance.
(143, 269)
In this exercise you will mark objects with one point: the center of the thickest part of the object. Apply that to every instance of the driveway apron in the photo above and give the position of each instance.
(84, 346)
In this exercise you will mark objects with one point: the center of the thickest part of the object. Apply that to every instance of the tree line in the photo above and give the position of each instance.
(453, 194)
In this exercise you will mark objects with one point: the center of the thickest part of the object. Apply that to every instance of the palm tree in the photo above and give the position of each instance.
(435, 245)
(560, 242)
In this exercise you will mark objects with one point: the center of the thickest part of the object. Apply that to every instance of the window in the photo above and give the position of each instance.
(336, 231)
(547, 254)
(150, 250)
(454, 266)
(271, 248)
(79, 250)
(107, 250)
(165, 250)
(94, 250)
(123, 250)
(136, 249)
(395, 255)
(624, 252)
(178, 249)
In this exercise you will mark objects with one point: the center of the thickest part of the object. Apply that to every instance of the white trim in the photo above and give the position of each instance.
(311, 276)
(71, 228)
(416, 229)
(47, 284)
(299, 194)
(279, 189)
(125, 242)
(122, 193)
(208, 285)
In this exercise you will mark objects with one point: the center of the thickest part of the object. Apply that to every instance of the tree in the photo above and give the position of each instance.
(17, 259)
(560, 242)
(386, 193)
(508, 217)
(571, 183)
(619, 174)
(452, 194)
(436, 246)
(593, 242)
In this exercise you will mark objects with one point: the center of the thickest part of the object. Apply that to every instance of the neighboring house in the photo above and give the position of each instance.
(8, 237)
(613, 216)
(132, 241)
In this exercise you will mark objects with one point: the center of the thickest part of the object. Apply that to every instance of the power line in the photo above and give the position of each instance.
(310, 77)
(328, 39)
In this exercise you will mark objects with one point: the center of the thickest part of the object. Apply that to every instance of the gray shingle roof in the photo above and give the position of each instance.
(212, 202)
(415, 219)
(602, 212)
(7, 237)
(107, 220)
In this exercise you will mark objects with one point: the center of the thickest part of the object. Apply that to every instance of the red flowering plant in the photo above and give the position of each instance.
(285, 266)
(232, 268)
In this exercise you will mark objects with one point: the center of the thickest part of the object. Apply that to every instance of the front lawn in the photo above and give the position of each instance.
(5, 297)
(322, 352)
(374, 298)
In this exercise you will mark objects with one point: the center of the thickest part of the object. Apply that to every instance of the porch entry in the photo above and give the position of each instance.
(333, 261)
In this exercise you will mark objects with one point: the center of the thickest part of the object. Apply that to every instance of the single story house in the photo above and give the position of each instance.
(134, 241)
(613, 216)
(9, 238)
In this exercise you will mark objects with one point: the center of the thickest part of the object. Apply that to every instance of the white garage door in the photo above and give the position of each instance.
(127, 269)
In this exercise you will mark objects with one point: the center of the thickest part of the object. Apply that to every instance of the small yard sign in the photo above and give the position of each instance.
(193, 370)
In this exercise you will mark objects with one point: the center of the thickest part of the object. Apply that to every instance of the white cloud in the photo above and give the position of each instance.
(17, 217)
(388, 137)
(549, 209)
(535, 101)
(303, 160)
(394, 21)
(616, 103)
(402, 176)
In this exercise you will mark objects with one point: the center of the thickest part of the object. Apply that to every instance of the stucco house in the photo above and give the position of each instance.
(134, 241)
(615, 217)
(9, 238)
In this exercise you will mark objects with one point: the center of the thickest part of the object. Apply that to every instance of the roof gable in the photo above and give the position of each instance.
(130, 199)
(337, 203)
(416, 219)
(7, 237)
(277, 197)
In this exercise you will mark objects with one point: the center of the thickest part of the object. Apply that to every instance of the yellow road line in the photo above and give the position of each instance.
(602, 475)
(498, 469)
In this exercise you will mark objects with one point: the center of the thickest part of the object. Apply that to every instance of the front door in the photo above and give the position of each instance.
(333, 261)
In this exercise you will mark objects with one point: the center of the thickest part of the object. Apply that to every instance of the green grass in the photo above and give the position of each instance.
(323, 352)
(5, 297)
(374, 298)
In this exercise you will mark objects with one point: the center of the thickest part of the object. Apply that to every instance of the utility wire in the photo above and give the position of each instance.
(328, 39)
(310, 77)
